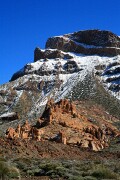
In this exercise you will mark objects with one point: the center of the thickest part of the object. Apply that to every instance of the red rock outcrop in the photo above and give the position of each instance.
(89, 135)
(63, 106)
(11, 133)
(63, 123)
(26, 131)
(36, 133)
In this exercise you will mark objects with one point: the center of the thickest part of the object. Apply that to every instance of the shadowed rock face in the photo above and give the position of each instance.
(50, 54)
(87, 42)
(96, 38)
(38, 54)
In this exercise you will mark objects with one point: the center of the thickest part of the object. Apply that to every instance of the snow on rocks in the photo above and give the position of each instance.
(67, 75)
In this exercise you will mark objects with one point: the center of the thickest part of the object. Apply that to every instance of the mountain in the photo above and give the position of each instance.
(81, 65)
(64, 105)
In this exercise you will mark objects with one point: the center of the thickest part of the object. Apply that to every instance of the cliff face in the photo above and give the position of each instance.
(88, 42)
(50, 54)
(96, 38)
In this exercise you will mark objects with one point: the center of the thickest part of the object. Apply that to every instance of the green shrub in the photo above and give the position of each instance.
(49, 166)
(104, 173)
(7, 171)
(33, 172)
(90, 178)
(75, 178)
(4, 170)
(68, 169)
(13, 172)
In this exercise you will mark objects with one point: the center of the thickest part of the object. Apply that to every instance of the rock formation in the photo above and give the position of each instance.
(87, 42)
(63, 106)
(50, 54)
(63, 123)
(38, 54)
(26, 131)
(11, 133)
(60, 138)
(65, 113)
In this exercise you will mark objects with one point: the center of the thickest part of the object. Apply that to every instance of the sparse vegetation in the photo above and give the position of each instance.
(104, 173)
(8, 171)
(93, 92)
(67, 169)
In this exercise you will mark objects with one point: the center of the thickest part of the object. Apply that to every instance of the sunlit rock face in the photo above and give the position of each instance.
(67, 119)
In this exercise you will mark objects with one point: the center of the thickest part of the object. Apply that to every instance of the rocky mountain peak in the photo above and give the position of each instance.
(87, 42)
(96, 38)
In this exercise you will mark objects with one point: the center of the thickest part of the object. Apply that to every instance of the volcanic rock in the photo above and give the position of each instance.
(26, 131)
(64, 115)
(87, 42)
(38, 54)
(50, 54)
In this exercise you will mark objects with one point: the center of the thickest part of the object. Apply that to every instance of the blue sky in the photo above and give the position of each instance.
(25, 24)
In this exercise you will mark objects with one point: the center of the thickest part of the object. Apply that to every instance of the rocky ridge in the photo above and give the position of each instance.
(88, 42)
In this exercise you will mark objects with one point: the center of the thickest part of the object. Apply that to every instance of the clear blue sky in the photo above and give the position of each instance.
(25, 24)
